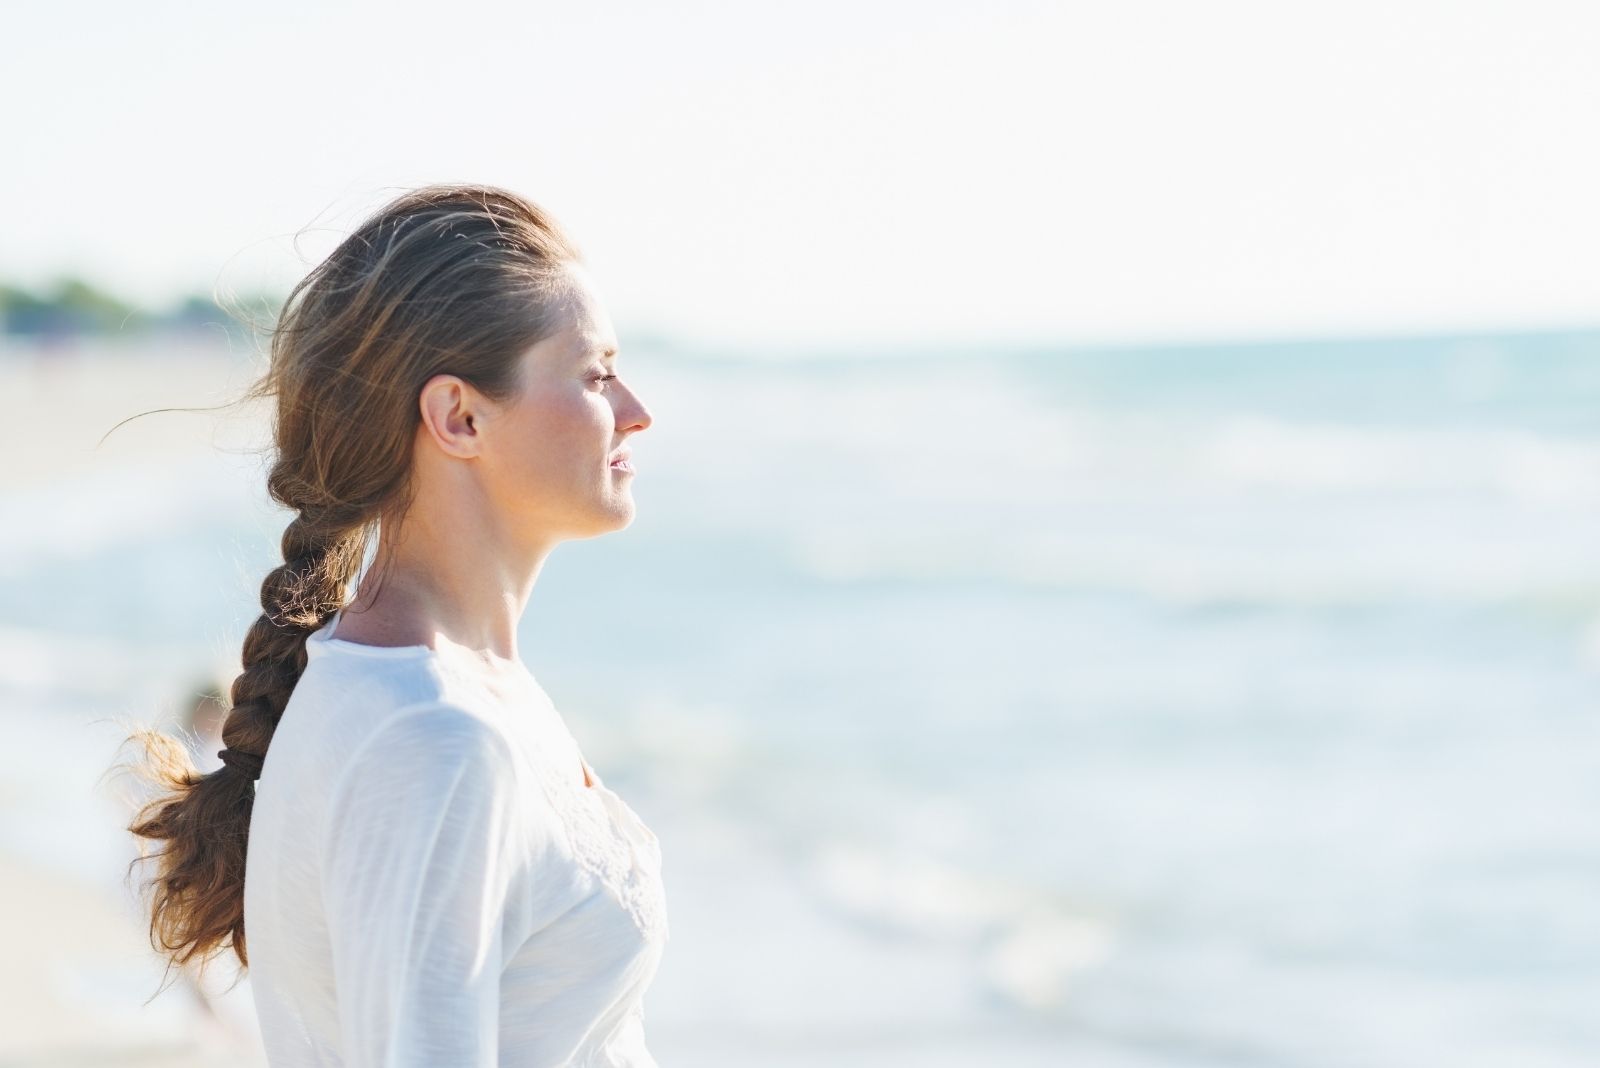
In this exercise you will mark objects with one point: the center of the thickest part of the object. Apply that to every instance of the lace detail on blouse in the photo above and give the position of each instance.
(611, 842)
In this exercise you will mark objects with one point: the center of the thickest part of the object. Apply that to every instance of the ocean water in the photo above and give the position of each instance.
(1207, 706)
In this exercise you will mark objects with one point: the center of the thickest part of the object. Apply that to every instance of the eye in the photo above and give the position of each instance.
(605, 378)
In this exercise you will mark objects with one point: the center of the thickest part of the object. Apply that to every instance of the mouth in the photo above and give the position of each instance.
(623, 461)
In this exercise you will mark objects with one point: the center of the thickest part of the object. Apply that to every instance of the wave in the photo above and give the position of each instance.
(1030, 946)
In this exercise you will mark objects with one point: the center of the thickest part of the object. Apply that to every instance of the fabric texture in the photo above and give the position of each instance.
(430, 882)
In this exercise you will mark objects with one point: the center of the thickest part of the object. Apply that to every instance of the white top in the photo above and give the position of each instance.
(429, 882)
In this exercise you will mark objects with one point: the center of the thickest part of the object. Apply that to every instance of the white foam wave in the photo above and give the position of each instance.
(1029, 947)
(1519, 466)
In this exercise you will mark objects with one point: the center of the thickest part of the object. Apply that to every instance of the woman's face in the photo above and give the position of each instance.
(550, 448)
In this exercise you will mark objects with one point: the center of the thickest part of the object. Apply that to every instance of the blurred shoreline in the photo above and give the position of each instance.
(78, 393)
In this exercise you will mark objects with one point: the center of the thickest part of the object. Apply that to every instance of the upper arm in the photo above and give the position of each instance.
(423, 848)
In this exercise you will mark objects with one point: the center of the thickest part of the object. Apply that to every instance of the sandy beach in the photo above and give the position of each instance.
(78, 964)
(75, 961)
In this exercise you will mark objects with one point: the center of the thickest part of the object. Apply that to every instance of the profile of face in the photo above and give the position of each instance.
(546, 457)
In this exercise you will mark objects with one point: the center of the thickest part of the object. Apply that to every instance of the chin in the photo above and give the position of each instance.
(615, 519)
(625, 519)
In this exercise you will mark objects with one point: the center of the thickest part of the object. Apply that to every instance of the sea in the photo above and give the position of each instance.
(1222, 705)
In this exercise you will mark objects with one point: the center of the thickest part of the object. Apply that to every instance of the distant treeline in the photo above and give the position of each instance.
(72, 306)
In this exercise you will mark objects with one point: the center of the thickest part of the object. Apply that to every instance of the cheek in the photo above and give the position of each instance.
(567, 435)
(594, 419)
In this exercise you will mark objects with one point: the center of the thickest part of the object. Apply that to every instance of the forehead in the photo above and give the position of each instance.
(583, 336)
(591, 344)
(589, 330)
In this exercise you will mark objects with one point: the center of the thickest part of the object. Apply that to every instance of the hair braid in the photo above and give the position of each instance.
(188, 911)
(297, 598)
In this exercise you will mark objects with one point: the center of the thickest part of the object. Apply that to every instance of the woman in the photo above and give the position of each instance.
(435, 876)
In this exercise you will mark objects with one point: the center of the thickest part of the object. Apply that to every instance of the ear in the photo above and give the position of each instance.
(450, 412)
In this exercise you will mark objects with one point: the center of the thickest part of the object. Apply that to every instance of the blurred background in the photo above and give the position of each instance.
(1115, 575)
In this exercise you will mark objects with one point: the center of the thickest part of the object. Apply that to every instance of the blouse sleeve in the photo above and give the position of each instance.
(421, 853)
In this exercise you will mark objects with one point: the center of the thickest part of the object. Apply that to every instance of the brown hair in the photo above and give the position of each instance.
(445, 279)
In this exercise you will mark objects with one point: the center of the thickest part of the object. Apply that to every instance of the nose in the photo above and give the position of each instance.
(634, 415)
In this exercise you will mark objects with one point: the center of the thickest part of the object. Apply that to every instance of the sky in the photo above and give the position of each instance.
(847, 173)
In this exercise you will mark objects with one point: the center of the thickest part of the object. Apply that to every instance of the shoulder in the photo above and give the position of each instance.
(441, 789)
(341, 704)
(435, 736)
(427, 769)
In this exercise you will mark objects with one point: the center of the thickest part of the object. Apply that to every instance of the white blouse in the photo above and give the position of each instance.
(430, 883)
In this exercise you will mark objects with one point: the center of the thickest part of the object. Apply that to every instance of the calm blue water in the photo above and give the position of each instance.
(1213, 706)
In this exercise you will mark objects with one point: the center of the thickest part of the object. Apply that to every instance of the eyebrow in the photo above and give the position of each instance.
(607, 353)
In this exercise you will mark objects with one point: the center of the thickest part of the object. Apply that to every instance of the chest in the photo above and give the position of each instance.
(608, 839)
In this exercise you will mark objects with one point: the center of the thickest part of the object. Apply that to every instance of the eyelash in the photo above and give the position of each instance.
(605, 378)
